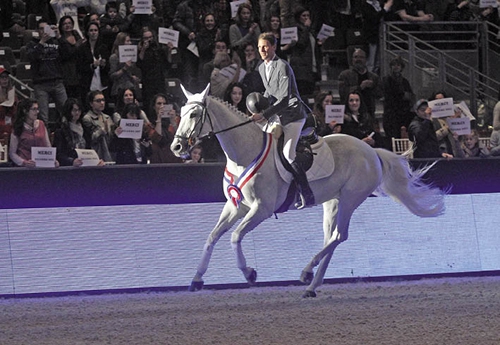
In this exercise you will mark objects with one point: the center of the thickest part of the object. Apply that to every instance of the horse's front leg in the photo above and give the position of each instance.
(228, 217)
(257, 214)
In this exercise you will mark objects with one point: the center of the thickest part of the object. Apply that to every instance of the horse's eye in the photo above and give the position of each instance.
(193, 114)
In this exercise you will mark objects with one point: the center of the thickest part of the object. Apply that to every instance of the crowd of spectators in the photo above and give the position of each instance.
(75, 64)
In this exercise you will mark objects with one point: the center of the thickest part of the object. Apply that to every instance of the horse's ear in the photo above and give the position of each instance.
(186, 92)
(205, 92)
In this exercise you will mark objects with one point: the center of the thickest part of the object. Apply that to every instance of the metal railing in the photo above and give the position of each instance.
(449, 56)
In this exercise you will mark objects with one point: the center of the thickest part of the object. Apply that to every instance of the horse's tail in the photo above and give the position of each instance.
(405, 185)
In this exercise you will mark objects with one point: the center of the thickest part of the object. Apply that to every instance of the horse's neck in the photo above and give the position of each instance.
(241, 144)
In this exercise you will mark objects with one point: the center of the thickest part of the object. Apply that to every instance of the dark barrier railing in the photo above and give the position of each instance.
(185, 183)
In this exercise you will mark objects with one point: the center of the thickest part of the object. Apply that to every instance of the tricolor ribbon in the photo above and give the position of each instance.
(236, 184)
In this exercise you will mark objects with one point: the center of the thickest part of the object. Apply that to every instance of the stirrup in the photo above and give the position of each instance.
(299, 205)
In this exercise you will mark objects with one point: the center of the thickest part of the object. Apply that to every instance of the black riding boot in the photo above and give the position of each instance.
(306, 194)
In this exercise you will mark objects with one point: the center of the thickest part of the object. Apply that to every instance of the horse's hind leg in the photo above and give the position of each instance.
(227, 219)
(340, 215)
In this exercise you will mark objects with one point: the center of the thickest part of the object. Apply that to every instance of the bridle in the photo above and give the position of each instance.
(200, 122)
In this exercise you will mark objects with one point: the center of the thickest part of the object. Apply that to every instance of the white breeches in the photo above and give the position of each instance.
(292, 134)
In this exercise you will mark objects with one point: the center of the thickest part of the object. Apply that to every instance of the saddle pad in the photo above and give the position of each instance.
(323, 164)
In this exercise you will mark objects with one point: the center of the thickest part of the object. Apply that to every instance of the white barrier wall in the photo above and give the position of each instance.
(126, 247)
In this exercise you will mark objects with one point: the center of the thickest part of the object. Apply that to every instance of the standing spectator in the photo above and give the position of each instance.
(244, 30)
(112, 23)
(64, 8)
(8, 105)
(398, 100)
(98, 127)
(206, 71)
(409, 11)
(305, 54)
(153, 60)
(188, 21)
(45, 58)
(421, 132)
(219, 81)
(126, 96)
(123, 75)
(472, 147)
(93, 61)
(28, 132)
(373, 14)
(205, 41)
(359, 78)
(69, 42)
(274, 26)
(252, 79)
(320, 102)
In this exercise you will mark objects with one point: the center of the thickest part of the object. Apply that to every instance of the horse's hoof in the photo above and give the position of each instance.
(196, 286)
(252, 277)
(308, 294)
(306, 277)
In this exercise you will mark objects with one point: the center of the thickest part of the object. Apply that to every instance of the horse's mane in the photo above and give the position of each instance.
(229, 107)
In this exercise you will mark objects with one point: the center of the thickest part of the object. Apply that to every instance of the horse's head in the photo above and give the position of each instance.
(192, 124)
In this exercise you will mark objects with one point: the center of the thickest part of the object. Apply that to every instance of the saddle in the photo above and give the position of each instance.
(315, 157)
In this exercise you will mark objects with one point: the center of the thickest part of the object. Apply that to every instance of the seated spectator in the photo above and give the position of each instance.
(126, 96)
(98, 127)
(195, 154)
(205, 41)
(244, 30)
(236, 95)
(69, 42)
(28, 132)
(93, 61)
(359, 78)
(69, 136)
(153, 60)
(128, 150)
(421, 132)
(162, 129)
(398, 100)
(123, 75)
(321, 100)
(472, 147)
(358, 123)
(45, 57)
(8, 105)
(220, 81)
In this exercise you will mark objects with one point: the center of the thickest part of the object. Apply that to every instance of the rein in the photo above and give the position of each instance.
(203, 119)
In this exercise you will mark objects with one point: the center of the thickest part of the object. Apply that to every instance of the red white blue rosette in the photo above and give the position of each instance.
(235, 195)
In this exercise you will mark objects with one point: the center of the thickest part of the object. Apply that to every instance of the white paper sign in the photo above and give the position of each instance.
(288, 35)
(89, 158)
(235, 5)
(442, 107)
(465, 110)
(131, 128)
(193, 48)
(325, 32)
(168, 35)
(334, 112)
(459, 125)
(488, 3)
(127, 53)
(230, 71)
(142, 6)
(44, 157)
